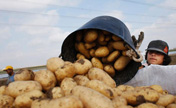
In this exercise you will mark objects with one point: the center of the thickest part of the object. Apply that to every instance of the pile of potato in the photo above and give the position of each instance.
(104, 49)
(78, 85)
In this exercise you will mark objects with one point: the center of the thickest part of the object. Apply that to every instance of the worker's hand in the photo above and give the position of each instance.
(137, 43)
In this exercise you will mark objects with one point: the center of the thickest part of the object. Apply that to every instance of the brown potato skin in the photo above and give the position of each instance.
(24, 75)
(25, 100)
(67, 85)
(90, 36)
(19, 87)
(63, 102)
(6, 101)
(90, 45)
(113, 56)
(119, 101)
(101, 87)
(165, 100)
(119, 45)
(91, 98)
(110, 70)
(82, 66)
(68, 70)
(116, 38)
(81, 80)
(46, 78)
(3, 89)
(121, 62)
(55, 92)
(53, 63)
(96, 63)
(99, 74)
(82, 49)
(147, 105)
(101, 51)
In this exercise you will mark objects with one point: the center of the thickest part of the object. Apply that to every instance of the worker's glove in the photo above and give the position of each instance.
(137, 43)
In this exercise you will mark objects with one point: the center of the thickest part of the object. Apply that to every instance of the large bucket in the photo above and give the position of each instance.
(112, 25)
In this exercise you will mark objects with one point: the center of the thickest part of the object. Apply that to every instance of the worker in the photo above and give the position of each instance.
(157, 53)
(11, 73)
(156, 72)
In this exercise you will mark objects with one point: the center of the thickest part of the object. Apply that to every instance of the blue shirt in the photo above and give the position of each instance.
(10, 79)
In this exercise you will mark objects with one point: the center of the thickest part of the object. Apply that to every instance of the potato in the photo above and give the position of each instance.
(113, 56)
(103, 43)
(90, 36)
(101, 87)
(121, 62)
(82, 49)
(110, 70)
(3, 89)
(101, 39)
(6, 101)
(80, 56)
(157, 88)
(105, 32)
(96, 63)
(119, 101)
(54, 63)
(82, 66)
(91, 98)
(171, 106)
(119, 45)
(133, 98)
(116, 38)
(147, 105)
(117, 92)
(46, 78)
(81, 80)
(124, 53)
(25, 100)
(68, 70)
(125, 87)
(19, 87)
(159, 106)
(79, 36)
(92, 52)
(149, 94)
(24, 75)
(99, 74)
(165, 100)
(55, 92)
(110, 46)
(63, 102)
(67, 85)
(107, 38)
(125, 106)
(104, 60)
(90, 45)
(102, 51)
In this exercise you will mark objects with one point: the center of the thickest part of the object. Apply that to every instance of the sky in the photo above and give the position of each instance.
(32, 31)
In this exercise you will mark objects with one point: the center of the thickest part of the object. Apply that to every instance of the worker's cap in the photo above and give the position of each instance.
(158, 45)
(7, 67)
(162, 47)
